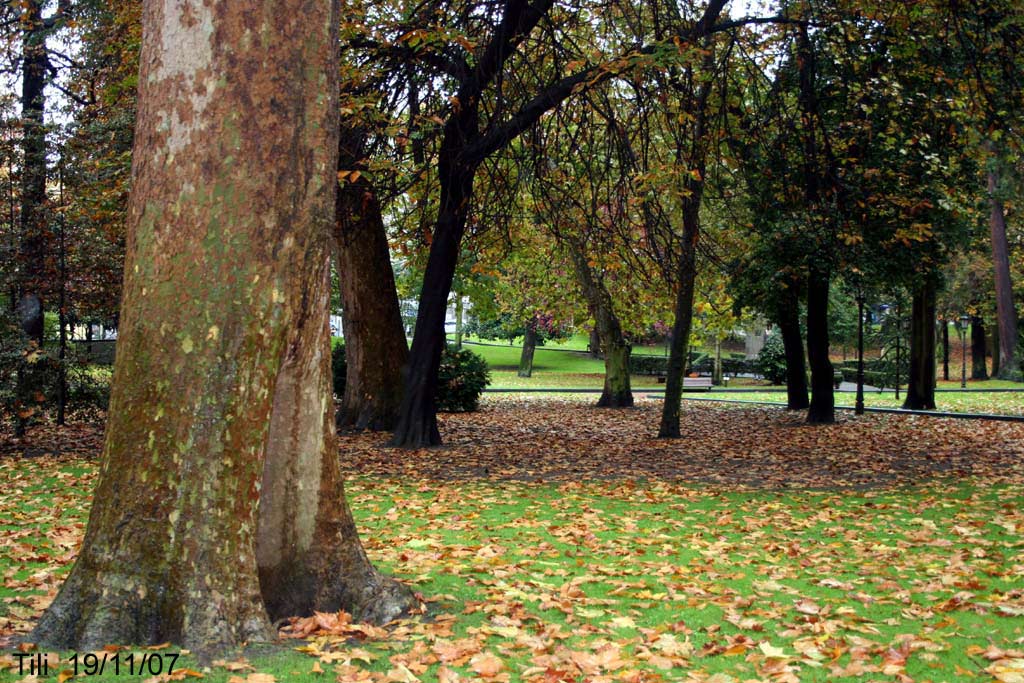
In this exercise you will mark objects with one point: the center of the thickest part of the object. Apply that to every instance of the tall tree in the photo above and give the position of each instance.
(375, 346)
(229, 218)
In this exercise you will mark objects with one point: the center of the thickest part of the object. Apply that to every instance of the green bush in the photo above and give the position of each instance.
(771, 362)
(648, 365)
(460, 380)
(338, 368)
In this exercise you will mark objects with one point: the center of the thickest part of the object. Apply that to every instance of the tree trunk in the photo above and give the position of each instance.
(32, 249)
(716, 373)
(617, 392)
(995, 350)
(822, 406)
(227, 240)
(921, 383)
(458, 319)
(307, 548)
(1006, 312)
(945, 350)
(788, 313)
(416, 426)
(979, 368)
(375, 346)
(595, 343)
(679, 349)
(529, 346)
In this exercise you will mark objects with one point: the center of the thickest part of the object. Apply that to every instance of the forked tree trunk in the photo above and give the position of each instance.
(307, 547)
(822, 407)
(529, 346)
(375, 346)
(1006, 311)
(227, 242)
(921, 384)
(788, 319)
(979, 344)
(617, 392)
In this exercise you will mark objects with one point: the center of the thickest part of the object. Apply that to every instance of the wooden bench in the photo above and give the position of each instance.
(692, 383)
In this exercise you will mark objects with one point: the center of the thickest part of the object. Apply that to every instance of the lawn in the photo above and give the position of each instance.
(555, 542)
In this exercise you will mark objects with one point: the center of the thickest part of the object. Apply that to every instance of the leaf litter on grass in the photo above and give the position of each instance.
(555, 542)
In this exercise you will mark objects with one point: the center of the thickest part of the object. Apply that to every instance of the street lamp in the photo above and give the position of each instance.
(964, 319)
(859, 405)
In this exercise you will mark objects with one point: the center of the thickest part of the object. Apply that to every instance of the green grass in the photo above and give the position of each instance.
(701, 581)
(966, 402)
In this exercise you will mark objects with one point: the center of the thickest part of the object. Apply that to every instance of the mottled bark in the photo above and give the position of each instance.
(1006, 311)
(822, 407)
(526, 357)
(617, 392)
(979, 343)
(232, 199)
(788, 319)
(307, 547)
(921, 383)
(375, 346)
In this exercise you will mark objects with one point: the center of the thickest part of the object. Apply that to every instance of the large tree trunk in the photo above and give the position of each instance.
(1006, 311)
(227, 237)
(529, 346)
(416, 426)
(679, 349)
(32, 249)
(307, 548)
(375, 346)
(822, 406)
(921, 384)
(788, 319)
(979, 344)
(31, 271)
(617, 392)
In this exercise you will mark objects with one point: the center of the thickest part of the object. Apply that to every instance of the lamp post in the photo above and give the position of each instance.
(964, 320)
(859, 405)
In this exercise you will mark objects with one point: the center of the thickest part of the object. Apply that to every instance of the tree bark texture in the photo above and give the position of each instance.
(375, 348)
(1006, 311)
(526, 357)
(617, 392)
(307, 548)
(921, 383)
(822, 407)
(594, 346)
(232, 198)
(788, 319)
(979, 344)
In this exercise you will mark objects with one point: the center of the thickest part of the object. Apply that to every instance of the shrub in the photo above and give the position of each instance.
(460, 380)
(338, 368)
(771, 362)
(648, 365)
